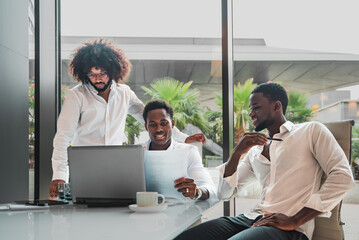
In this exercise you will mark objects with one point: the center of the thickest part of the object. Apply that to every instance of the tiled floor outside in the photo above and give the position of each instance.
(350, 216)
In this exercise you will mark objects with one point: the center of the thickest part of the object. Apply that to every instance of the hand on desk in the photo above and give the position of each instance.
(53, 191)
(186, 186)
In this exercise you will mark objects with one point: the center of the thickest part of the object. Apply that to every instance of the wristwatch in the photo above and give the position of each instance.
(198, 194)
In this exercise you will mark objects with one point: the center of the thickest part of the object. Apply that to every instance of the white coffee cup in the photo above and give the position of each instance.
(149, 199)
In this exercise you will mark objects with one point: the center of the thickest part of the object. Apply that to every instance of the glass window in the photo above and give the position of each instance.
(31, 12)
(313, 54)
(167, 42)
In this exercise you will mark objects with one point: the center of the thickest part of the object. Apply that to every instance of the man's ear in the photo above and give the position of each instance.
(146, 127)
(278, 106)
(173, 123)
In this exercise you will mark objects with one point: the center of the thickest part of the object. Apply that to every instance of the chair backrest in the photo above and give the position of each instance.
(331, 228)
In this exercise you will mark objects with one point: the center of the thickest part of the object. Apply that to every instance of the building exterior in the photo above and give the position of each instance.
(341, 110)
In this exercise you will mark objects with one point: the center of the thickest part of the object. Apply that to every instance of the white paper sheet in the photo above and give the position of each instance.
(162, 168)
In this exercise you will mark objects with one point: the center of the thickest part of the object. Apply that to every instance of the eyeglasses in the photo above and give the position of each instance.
(93, 76)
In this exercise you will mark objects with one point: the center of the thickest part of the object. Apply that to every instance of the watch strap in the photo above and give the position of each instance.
(198, 194)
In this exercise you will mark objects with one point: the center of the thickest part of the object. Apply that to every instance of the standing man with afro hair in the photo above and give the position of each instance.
(95, 110)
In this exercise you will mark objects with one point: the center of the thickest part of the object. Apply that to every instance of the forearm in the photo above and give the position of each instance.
(305, 215)
(232, 164)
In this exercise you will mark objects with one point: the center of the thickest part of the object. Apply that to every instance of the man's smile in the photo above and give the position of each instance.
(160, 136)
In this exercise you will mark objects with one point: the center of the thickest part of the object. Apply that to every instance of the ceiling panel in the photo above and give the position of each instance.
(295, 71)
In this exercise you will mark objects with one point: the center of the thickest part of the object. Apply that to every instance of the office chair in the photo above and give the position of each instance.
(332, 228)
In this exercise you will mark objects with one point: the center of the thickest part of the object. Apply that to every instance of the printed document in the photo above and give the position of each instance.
(162, 168)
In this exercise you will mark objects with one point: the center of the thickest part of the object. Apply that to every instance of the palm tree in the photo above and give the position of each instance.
(133, 128)
(241, 94)
(182, 99)
(355, 152)
(297, 110)
(215, 122)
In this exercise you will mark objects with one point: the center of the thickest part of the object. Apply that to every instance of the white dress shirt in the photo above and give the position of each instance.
(87, 119)
(291, 179)
(195, 168)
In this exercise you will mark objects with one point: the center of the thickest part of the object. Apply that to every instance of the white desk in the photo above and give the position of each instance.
(76, 222)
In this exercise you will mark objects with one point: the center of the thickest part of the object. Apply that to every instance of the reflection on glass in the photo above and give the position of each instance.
(31, 31)
(320, 75)
(182, 67)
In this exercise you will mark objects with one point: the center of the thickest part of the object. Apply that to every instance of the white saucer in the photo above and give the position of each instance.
(157, 208)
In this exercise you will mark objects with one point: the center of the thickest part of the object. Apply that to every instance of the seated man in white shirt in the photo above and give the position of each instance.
(289, 171)
(198, 184)
(95, 111)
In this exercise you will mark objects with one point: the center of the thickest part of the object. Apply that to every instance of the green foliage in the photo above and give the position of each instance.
(31, 112)
(215, 123)
(355, 152)
(355, 143)
(132, 129)
(241, 94)
(183, 100)
(297, 110)
(64, 90)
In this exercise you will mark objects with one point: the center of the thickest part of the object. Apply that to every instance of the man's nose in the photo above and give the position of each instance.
(158, 128)
(251, 114)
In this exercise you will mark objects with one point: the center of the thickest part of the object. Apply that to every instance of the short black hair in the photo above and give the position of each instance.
(274, 92)
(103, 54)
(157, 104)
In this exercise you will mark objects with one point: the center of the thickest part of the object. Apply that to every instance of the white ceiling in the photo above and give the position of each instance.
(190, 59)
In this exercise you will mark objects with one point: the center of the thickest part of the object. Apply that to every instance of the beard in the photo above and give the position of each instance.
(104, 87)
(262, 125)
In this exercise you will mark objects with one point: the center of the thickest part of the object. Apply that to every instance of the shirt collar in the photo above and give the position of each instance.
(286, 127)
(171, 147)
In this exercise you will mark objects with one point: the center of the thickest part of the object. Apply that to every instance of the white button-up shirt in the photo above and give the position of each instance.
(195, 168)
(87, 119)
(291, 180)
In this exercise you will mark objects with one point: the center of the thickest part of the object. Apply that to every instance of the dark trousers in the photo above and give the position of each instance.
(237, 228)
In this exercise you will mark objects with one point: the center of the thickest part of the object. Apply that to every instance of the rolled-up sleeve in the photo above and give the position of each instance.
(231, 185)
(200, 174)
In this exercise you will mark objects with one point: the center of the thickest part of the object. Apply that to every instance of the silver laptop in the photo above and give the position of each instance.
(106, 174)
